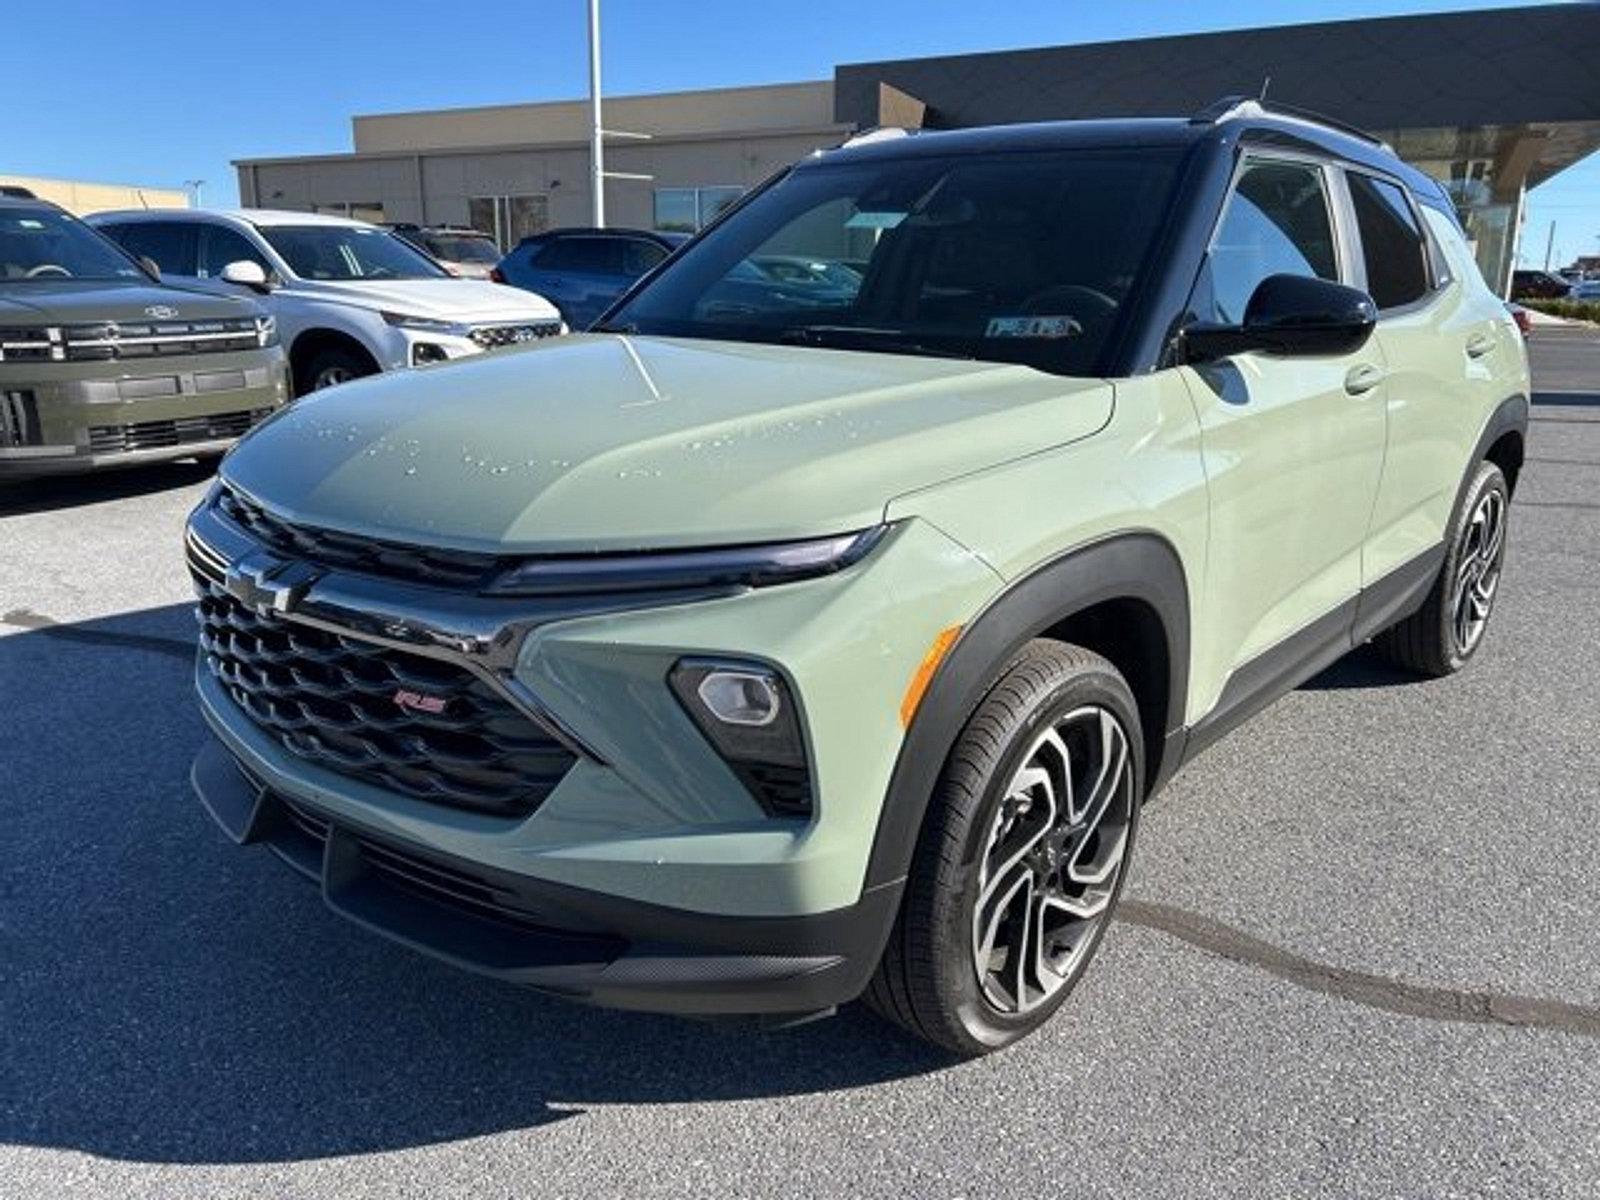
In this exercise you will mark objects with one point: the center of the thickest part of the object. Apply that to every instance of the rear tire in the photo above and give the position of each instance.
(1442, 636)
(1021, 857)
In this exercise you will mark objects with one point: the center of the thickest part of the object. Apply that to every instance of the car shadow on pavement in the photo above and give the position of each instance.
(1363, 667)
(49, 493)
(169, 997)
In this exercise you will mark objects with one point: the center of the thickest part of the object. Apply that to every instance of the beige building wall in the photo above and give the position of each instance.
(437, 187)
(666, 114)
(83, 198)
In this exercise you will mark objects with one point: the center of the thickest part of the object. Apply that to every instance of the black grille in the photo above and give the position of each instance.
(326, 547)
(411, 724)
(492, 337)
(181, 431)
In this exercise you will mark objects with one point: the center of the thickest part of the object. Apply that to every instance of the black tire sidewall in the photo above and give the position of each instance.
(988, 1028)
(1488, 477)
(305, 384)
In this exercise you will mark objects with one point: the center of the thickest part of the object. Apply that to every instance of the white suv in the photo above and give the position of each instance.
(351, 299)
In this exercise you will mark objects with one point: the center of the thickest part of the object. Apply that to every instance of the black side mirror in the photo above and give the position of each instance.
(1290, 315)
(151, 268)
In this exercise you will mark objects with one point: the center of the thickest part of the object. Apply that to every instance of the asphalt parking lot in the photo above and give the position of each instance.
(1360, 955)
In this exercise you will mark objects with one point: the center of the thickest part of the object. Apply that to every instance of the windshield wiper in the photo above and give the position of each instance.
(864, 337)
(625, 327)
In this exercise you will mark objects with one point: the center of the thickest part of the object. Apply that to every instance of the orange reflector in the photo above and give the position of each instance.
(924, 676)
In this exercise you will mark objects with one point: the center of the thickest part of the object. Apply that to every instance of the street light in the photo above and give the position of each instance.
(597, 131)
(194, 185)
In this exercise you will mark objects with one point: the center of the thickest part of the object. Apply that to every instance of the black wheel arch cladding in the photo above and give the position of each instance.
(1140, 566)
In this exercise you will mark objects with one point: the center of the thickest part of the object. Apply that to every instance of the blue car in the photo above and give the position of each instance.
(581, 271)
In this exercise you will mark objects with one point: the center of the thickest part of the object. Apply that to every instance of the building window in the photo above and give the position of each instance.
(371, 212)
(509, 219)
(688, 210)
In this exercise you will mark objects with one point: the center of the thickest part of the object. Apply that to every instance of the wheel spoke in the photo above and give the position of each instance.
(1054, 856)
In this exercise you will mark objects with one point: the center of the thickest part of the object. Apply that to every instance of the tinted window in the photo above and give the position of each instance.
(580, 254)
(640, 256)
(1276, 223)
(169, 244)
(1005, 257)
(1392, 244)
(454, 248)
(224, 246)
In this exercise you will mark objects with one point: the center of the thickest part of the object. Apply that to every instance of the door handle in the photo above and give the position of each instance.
(1479, 344)
(1362, 378)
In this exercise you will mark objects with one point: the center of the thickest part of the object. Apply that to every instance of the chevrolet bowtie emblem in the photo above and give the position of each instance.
(267, 584)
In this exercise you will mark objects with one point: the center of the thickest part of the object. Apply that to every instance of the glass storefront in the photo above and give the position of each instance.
(688, 210)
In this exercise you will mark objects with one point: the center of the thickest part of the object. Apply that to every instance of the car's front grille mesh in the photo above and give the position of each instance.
(369, 556)
(492, 337)
(180, 431)
(412, 724)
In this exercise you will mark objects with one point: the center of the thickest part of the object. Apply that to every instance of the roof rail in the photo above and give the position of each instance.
(1249, 106)
(878, 133)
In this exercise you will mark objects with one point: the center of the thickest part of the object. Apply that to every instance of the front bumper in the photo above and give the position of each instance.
(81, 416)
(649, 841)
(576, 943)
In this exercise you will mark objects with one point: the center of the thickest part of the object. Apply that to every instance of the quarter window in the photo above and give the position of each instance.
(1392, 244)
(1277, 223)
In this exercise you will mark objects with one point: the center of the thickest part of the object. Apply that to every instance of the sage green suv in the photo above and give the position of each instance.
(802, 636)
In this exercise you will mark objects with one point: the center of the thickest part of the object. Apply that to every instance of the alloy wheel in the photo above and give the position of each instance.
(1053, 859)
(331, 376)
(1478, 570)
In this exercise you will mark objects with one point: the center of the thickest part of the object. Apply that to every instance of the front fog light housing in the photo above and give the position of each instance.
(740, 697)
(748, 713)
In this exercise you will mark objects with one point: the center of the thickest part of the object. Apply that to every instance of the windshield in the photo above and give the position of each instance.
(463, 249)
(1009, 257)
(45, 243)
(349, 252)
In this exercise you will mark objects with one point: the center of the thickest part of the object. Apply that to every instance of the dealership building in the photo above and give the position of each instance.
(1489, 103)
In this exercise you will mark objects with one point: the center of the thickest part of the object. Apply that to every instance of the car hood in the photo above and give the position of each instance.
(446, 299)
(595, 442)
(73, 300)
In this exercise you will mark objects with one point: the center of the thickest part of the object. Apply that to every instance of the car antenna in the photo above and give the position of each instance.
(1266, 82)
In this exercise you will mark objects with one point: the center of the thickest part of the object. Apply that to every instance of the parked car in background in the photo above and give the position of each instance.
(104, 364)
(1586, 289)
(1539, 285)
(464, 252)
(752, 658)
(583, 271)
(350, 299)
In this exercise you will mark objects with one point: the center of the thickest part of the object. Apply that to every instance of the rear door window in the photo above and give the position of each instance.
(591, 255)
(171, 245)
(1392, 243)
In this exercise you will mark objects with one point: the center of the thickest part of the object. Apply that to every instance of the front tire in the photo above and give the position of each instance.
(1021, 857)
(331, 367)
(1442, 636)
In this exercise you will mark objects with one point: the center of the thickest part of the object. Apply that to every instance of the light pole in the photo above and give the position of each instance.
(194, 185)
(597, 166)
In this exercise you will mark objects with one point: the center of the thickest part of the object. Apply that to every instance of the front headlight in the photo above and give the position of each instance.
(428, 324)
(671, 570)
(266, 331)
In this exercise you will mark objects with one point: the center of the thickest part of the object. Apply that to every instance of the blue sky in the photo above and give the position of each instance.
(165, 91)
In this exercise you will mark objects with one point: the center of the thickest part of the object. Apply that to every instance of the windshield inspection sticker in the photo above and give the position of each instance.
(1032, 327)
